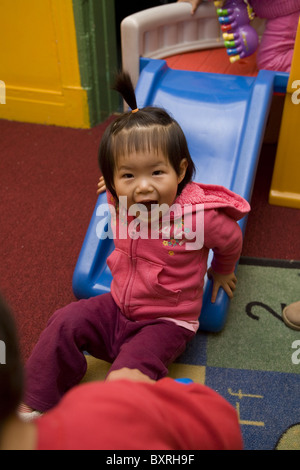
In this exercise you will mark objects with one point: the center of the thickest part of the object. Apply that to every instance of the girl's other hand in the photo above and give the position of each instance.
(101, 185)
(226, 281)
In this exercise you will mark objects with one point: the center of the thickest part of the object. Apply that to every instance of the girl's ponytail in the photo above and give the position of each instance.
(124, 86)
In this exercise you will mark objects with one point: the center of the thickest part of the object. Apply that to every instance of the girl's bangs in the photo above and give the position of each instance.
(140, 139)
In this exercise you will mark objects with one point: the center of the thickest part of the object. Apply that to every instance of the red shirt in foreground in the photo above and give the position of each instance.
(123, 415)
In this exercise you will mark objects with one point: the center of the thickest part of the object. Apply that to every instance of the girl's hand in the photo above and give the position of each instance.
(194, 3)
(226, 281)
(101, 185)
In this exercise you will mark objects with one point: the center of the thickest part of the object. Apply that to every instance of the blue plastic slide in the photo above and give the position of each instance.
(224, 119)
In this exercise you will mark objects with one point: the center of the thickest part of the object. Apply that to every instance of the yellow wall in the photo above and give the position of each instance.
(285, 186)
(39, 63)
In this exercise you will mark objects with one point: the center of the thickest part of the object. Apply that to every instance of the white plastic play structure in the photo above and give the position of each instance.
(170, 29)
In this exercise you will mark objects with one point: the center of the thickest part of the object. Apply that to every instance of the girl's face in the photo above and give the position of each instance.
(147, 178)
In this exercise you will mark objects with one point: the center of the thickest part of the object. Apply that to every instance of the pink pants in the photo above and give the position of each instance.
(277, 45)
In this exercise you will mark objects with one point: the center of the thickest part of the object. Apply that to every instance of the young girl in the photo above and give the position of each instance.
(276, 48)
(152, 310)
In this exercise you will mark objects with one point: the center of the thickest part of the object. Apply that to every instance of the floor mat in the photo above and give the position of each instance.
(255, 361)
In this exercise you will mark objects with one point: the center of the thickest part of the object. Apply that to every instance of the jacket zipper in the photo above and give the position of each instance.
(131, 276)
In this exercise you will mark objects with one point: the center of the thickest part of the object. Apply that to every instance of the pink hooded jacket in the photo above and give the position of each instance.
(164, 277)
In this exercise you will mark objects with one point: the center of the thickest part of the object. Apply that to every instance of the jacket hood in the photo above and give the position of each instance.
(214, 197)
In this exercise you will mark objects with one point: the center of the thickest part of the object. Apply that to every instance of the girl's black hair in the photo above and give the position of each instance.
(11, 367)
(149, 129)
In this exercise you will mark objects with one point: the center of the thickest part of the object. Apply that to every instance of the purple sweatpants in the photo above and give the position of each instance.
(97, 326)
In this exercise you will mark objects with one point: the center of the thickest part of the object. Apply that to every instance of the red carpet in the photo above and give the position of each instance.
(272, 231)
(48, 192)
